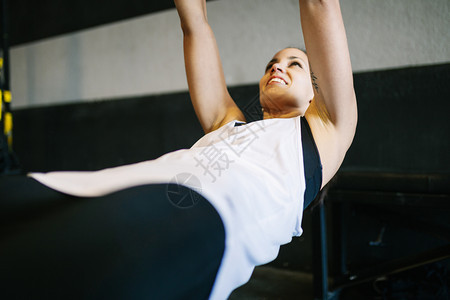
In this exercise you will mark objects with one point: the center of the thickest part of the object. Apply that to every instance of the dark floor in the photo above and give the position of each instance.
(429, 282)
(273, 283)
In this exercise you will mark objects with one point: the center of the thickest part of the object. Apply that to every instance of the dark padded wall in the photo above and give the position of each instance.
(404, 121)
(91, 136)
(103, 134)
(403, 126)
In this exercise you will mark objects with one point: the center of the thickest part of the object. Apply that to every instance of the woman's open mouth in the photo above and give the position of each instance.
(276, 79)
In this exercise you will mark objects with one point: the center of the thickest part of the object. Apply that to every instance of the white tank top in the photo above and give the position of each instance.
(252, 174)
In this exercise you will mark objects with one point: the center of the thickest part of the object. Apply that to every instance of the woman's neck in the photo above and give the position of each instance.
(267, 114)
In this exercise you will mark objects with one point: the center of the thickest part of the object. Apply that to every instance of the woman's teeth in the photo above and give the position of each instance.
(277, 80)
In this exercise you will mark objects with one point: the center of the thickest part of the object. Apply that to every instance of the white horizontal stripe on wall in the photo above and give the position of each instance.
(144, 55)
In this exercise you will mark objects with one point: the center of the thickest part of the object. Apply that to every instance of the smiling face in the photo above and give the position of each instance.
(286, 89)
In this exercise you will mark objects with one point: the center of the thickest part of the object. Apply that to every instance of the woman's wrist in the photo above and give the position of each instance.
(192, 14)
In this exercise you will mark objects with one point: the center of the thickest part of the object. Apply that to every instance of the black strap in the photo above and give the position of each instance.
(311, 163)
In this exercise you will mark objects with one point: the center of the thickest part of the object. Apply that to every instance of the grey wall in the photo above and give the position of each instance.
(143, 55)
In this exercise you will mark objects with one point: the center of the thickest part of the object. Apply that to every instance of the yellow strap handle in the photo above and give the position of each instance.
(1, 102)
(7, 96)
(8, 124)
(7, 100)
(8, 127)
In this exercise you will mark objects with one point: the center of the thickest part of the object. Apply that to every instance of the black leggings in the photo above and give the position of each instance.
(138, 243)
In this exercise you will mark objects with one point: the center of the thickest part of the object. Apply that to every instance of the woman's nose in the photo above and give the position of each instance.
(276, 68)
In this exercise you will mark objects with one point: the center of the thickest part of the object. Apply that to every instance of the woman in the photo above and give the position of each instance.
(318, 86)
(234, 197)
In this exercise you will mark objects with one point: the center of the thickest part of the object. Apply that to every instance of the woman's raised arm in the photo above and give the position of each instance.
(333, 113)
(209, 95)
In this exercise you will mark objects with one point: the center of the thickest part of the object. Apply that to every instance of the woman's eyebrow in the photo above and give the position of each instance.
(296, 57)
(273, 60)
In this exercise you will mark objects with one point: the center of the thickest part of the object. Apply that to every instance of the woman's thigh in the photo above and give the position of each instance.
(138, 243)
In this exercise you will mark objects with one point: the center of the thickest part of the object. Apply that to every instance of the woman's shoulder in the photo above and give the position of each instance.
(233, 114)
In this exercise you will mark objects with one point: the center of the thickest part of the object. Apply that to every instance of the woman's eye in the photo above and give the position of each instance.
(295, 64)
(269, 67)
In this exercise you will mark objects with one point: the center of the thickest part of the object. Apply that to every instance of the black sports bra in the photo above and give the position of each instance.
(311, 164)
